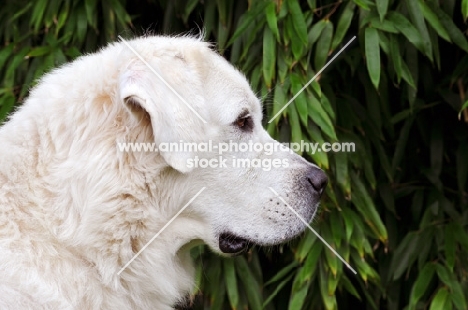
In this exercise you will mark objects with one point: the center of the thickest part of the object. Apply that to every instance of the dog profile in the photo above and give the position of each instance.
(74, 208)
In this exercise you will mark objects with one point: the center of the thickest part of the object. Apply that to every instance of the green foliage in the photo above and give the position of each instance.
(395, 209)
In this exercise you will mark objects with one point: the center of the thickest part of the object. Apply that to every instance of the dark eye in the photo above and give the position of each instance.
(244, 122)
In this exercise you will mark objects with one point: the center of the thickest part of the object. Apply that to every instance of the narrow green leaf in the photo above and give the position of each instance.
(311, 263)
(434, 21)
(316, 31)
(364, 4)
(278, 288)
(298, 298)
(417, 18)
(270, 13)
(252, 288)
(247, 19)
(464, 9)
(343, 24)
(82, 23)
(396, 57)
(342, 172)
(284, 272)
(407, 76)
(366, 207)
(319, 158)
(90, 6)
(348, 217)
(298, 20)
(301, 101)
(269, 56)
(458, 296)
(322, 49)
(382, 6)
(445, 275)
(21, 12)
(189, 7)
(320, 117)
(329, 301)
(231, 283)
(39, 51)
(38, 13)
(404, 254)
(296, 44)
(349, 287)
(296, 131)
(407, 29)
(454, 32)
(421, 284)
(384, 25)
(440, 300)
(372, 50)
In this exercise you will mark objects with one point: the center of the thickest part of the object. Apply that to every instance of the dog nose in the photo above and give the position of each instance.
(317, 178)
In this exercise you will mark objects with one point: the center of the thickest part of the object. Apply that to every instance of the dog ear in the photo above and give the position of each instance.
(172, 121)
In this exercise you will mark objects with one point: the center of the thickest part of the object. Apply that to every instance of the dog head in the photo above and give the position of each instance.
(194, 97)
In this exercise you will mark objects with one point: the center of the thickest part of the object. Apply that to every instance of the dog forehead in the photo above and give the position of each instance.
(228, 91)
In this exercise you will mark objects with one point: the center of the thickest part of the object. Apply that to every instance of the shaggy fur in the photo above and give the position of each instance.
(74, 209)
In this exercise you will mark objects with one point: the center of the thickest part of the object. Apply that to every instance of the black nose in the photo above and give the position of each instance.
(317, 178)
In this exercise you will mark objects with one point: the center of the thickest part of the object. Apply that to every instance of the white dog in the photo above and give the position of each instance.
(74, 209)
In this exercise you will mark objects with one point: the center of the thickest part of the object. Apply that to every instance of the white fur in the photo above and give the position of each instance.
(74, 210)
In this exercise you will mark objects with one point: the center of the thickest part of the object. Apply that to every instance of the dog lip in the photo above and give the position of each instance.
(232, 244)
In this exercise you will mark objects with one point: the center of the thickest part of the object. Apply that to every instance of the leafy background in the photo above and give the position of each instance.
(396, 209)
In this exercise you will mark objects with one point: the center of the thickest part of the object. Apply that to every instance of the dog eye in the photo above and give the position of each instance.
(244, 123)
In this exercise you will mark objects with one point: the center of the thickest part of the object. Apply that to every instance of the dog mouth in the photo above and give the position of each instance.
(231, 244)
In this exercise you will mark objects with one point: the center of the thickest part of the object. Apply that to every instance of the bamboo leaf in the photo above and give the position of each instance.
(247, 19)
(373, 55)
(464, 9)
(39, 51)
(301, 101)
(231, 283)
(298, 20)
(343, 24)
(421, 284)
(322, 49)
(269, 56)
(90, 6)
(278, 288)
(366, 207)
(270, 13)
(329, 301)
(417, 17)
(298, 298)
(455, 34)
(252, 287)
(408, 30)
(283, 273)
(434, 21)
(342, 172)
(316, 31)
(382, 6)
(321, 118)
(396, 57)
(296, 131)
(440, 300)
